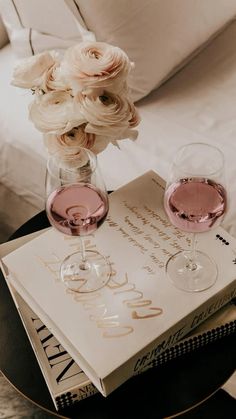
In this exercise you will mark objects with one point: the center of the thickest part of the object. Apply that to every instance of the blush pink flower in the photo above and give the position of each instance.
(80, 99)
(29, 73)
(55, 112)
(76, 137)
(108, 115)
(96, 65)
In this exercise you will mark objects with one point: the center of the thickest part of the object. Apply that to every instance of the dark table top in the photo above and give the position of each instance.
(160, 392)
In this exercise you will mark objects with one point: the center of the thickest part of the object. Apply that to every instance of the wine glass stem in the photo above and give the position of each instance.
(83, 263)
(191, 263)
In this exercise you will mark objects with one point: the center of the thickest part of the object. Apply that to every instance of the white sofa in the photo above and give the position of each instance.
(184, 86)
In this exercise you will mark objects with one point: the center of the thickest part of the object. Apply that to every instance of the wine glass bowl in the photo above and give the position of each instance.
(195, 201)
(77, 205)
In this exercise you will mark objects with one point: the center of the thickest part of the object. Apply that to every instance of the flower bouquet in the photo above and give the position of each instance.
(80, 99)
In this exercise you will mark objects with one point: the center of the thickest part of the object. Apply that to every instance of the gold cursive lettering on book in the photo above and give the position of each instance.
(117, 333)
(155, 311)
(76, 244)
(99, 312)
(100, 315)
(108, 322)
(137, 301)
(52, 265)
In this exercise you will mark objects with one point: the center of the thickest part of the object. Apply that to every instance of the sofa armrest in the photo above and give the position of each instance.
(3, 34)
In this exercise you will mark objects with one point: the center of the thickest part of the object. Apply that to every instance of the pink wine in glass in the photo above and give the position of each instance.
(195, 204)
(77, 209)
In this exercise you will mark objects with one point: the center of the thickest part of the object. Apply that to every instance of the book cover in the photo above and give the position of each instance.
(139, 313)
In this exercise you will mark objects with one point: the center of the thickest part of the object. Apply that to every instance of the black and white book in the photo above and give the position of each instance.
(66, 381)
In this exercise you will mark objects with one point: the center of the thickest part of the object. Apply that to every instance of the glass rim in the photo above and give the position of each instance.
(71, 157)
(207, 145)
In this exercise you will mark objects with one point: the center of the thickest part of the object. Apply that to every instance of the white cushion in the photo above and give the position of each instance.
(37, 25)
(3, 34)
(157, 35)
(22, 153)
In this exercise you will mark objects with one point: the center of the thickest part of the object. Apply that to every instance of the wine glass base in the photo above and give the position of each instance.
(202, 277)
(84, 277)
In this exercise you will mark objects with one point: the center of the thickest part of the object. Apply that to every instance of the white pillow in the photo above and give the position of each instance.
(3, 34)
(37, 25)
(158, 35)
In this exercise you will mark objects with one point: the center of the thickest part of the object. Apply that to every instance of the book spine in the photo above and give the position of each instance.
(68, 398)
(188, 324)
(191, 344)
(33, 326)
(197, 340)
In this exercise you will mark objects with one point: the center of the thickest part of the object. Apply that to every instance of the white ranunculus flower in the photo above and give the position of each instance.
(53, 79)
(101, 142)
(76, 137)
(55, 112)
(96, 65)
(29, 72)
(108, 115)
(134, 116)
(80, 99)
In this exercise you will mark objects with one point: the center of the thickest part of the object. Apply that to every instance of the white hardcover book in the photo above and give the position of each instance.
(115, 332)
(66, 382)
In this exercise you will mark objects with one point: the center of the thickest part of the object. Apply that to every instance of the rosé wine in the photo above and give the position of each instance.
(195, 204)
(77, 210)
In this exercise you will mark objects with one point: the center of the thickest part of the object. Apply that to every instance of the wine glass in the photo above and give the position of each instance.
(77, 204)
(195, 201)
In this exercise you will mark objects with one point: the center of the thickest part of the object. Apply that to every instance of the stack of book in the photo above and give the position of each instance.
(139, 316)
